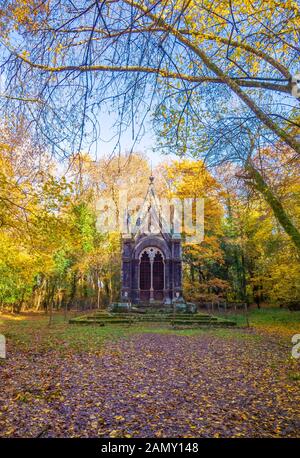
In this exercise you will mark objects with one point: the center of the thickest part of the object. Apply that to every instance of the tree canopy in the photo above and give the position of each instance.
(63, 62)
(216, 79)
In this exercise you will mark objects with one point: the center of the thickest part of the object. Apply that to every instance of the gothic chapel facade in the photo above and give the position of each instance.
(151, 257)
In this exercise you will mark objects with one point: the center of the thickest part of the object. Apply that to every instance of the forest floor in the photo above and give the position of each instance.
(150, 381)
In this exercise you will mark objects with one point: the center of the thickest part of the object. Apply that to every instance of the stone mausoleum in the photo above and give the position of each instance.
(151, 256)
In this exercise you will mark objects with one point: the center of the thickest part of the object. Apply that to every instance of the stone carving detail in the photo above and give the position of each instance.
(126, 250)
(151, 252)
(126, 275)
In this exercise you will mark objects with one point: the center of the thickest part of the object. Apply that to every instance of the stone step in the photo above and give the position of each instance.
(150, 315)
(117, 321)
(207, 323)
(153, 318)
(102, 318)
(149, 320)
(99, 321)
(153, 304)
(175, 322)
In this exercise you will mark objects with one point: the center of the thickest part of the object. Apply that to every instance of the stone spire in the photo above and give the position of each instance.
(151, 178)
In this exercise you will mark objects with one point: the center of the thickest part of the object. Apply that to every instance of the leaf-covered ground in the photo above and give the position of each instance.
(152, 384)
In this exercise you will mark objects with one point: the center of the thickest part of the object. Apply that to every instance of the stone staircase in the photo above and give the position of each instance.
(101, 318)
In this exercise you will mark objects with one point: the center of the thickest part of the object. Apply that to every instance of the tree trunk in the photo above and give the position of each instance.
(110, 290)
(40, 294)
(244, 278)
(73, 290)
(278, 210)
(51, 302)
(65, 310)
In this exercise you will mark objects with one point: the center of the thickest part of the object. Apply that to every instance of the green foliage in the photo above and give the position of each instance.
(52, 256)
(85, 224)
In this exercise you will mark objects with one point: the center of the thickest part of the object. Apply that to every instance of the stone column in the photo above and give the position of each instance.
(151, 279)
(167, 298)
(135, 294)
(126, 267)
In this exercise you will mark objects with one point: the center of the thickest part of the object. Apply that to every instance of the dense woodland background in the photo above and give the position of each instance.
(52, 256)
(215, 82)
(208, 88)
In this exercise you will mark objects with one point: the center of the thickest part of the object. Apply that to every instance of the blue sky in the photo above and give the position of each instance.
(108, 143)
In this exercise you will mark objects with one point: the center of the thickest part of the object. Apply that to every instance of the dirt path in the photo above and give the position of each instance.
(153, 385)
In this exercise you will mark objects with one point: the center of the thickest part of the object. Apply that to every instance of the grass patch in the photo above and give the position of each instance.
(32, 331)
(270, 318)
(35, 332)
(294, 376)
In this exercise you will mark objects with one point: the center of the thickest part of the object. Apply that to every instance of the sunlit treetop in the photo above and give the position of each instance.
(72, 58)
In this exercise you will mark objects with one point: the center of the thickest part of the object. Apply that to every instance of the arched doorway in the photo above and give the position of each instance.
(151, 275)
(145, 277)
(158, 276)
